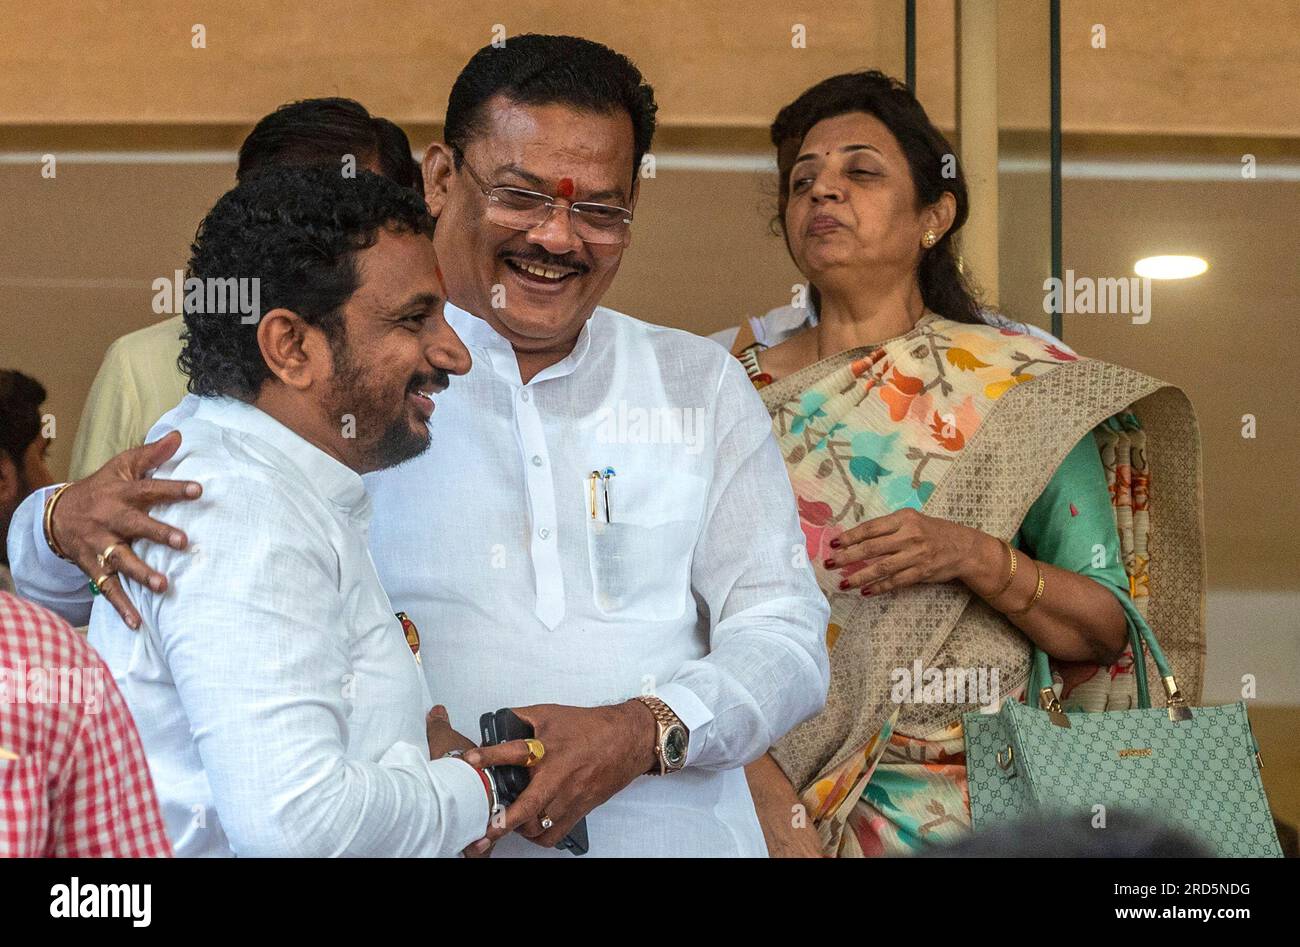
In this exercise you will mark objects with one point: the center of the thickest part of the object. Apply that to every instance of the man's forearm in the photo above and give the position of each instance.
(761, 680)
(402, 806)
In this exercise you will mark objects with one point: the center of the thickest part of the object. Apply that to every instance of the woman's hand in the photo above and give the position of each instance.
(908, 547)
(1076, 618)
(777, 805)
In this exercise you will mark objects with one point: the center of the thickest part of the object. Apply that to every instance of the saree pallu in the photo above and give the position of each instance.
(967, 423)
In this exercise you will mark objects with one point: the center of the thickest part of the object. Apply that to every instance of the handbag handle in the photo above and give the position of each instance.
(1040, 675)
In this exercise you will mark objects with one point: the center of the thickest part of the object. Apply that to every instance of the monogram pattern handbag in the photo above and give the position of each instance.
(1196, 768)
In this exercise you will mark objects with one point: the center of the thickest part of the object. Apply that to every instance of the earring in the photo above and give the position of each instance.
(929, 238)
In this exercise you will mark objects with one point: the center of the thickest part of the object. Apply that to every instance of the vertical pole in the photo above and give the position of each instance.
(1057, 253)
(909, 74)
(977, 126)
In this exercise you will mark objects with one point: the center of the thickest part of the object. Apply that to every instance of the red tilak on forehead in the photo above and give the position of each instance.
(564, 188)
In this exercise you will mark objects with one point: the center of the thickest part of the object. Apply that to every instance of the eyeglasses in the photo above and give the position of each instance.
(521, 209)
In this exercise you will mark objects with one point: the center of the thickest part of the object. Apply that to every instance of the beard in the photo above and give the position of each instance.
(383, 430)
(397, 444)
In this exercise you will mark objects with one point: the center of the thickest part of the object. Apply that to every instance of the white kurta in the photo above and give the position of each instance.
(698, 589)
(279, 704)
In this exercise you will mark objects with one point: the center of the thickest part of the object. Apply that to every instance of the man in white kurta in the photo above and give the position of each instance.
(278, 699)
(279, 705)
(697, 590)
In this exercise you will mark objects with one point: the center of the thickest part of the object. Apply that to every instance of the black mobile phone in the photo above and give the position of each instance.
(505, 725)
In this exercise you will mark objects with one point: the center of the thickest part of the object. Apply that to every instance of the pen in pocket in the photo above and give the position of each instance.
(595, 504)
(605, 479)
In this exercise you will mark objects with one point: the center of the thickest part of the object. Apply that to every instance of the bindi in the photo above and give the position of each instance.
(564, 188)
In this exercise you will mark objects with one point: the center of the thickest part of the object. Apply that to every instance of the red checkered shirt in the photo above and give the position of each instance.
(80, 785)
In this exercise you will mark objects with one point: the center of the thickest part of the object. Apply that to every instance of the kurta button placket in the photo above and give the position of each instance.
(547, 572)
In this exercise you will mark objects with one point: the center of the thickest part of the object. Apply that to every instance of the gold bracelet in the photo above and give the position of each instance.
(1038, 593)
(1011, 578)
(48, 522)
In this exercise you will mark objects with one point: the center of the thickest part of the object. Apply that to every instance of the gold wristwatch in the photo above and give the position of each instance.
(672, 741)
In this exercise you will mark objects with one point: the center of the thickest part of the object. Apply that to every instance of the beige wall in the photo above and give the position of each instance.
(81, 251)
(1172, 67)
(111, 62)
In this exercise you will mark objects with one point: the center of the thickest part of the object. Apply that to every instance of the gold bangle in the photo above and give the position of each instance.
(48, 522)
(1038, 593)
(1010, 578)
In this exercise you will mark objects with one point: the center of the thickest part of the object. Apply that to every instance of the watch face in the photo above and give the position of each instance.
(675, 746)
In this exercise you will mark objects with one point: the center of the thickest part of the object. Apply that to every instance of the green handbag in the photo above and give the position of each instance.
(1197, 769)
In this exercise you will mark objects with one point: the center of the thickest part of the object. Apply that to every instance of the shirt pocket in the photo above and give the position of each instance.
(641, 559)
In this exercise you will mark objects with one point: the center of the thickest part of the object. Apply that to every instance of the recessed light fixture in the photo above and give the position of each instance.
(1170, 267)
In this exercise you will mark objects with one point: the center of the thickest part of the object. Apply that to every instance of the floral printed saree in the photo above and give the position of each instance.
(969, 423)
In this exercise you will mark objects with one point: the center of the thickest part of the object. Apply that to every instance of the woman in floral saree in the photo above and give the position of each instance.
(956, 500)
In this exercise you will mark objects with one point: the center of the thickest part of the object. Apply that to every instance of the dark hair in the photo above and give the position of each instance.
(534, 69)
(295, 230)
(944, 288)
(21, 397)
(322, 131)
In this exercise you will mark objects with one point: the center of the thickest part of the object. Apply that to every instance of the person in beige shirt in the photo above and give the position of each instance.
(139, 380)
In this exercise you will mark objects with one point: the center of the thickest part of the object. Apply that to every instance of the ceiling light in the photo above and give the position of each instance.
(1170, 267)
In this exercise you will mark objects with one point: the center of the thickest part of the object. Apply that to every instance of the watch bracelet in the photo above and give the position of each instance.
(664, 718)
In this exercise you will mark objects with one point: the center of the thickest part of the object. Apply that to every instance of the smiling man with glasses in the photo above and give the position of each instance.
(608, 586)
(561, 554)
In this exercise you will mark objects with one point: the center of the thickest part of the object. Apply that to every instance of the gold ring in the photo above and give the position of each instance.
(103, 556)
(535, 751)
(546, 822)
(101, 580)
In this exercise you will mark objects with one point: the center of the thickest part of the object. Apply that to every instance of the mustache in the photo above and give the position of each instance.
(434, 383)
(540, 257)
